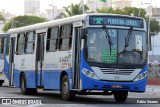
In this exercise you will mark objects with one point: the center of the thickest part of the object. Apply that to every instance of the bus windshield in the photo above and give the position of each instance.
(98, 48)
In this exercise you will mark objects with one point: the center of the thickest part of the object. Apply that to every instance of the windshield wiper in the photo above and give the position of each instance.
(108, 38)
(128, 38)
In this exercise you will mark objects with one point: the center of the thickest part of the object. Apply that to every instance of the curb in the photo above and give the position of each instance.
(155, 90)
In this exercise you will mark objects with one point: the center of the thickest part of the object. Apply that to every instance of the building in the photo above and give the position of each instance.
(50, 14)
(155, 12)
(7, 15)
(121, 3)
(31, 7)
(97, 4)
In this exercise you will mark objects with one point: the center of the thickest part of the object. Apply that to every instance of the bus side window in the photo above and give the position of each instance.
(52, 39)
(20, 44)
(7, 43)
(29, 42)
(66, 37)
(1, 45)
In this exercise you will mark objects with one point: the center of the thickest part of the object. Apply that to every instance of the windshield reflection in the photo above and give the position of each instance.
(98, 48)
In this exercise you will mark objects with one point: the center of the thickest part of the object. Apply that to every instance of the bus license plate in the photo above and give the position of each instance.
(116, 86)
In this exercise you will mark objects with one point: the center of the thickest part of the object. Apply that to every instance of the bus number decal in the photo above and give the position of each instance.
(117, 77)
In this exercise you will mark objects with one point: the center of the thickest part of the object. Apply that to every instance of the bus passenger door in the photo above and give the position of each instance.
(39, 59)
(76, 59)
(11, 61)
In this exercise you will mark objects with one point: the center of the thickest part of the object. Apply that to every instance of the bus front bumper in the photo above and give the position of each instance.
(93, 84)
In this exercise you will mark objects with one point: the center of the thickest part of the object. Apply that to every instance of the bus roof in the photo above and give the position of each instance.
(59, 22)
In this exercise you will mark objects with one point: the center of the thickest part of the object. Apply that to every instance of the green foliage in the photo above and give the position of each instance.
(154, 27)
(134, 11)
(60, 16)
(71, 10)
(2, 18)
(125, 11)
(75, 9)
(105, 10)
(103, 0)
(20, 21)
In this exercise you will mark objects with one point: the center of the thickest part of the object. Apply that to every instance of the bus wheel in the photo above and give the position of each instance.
(24, 90)
(120, 96)
(66, 94)
(1, 83)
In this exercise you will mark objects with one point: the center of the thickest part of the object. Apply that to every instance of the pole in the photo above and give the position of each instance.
(149, 19)
(111, 4)
(53, 9)
(82, 7)
(53, 12)
(140, 9)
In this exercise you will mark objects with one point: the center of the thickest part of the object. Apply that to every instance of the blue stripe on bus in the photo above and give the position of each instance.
(51, 78)
(6, 67)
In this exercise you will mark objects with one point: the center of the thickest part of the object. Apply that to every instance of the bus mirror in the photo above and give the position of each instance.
(83, 33)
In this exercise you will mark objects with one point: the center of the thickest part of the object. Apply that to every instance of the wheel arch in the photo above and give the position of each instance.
(63, 73)
(22, 72)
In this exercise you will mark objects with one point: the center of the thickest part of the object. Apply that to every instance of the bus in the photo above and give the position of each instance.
(89, 54)
(3, 41)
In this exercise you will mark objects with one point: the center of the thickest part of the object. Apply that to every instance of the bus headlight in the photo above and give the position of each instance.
(141, 76)
(89, 74)
(93, 75)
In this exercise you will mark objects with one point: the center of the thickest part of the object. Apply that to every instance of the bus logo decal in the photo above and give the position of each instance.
(116, 71)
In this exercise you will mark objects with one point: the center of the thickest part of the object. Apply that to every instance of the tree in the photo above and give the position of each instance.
(60, 16)
(125, 11)
(2, 18)
(75, 9)
(154, 25)
(20, 21)
(134, 11)
(71, 10)
(105, 10)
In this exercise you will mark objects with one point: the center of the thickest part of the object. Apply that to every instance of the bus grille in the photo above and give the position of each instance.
(117, 71)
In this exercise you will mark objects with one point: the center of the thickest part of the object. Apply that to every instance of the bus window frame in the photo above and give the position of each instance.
(26, 42)
(49, 39)
(17, 43)
(65, 37)
(2, 45)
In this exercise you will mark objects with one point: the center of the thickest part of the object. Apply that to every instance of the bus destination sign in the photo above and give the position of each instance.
(116, 21)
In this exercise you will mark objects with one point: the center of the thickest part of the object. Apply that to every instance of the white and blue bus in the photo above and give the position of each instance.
(3, 41)
(80, 55)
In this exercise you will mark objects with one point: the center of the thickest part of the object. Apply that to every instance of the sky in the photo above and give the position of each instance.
(17, 6)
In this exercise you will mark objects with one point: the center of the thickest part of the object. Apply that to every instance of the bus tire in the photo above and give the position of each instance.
(23, 85)
(24, 89)
(66, 94)
(120, 96)
(1, 83)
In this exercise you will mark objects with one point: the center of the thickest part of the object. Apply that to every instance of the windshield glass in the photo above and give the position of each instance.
(108, 46)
